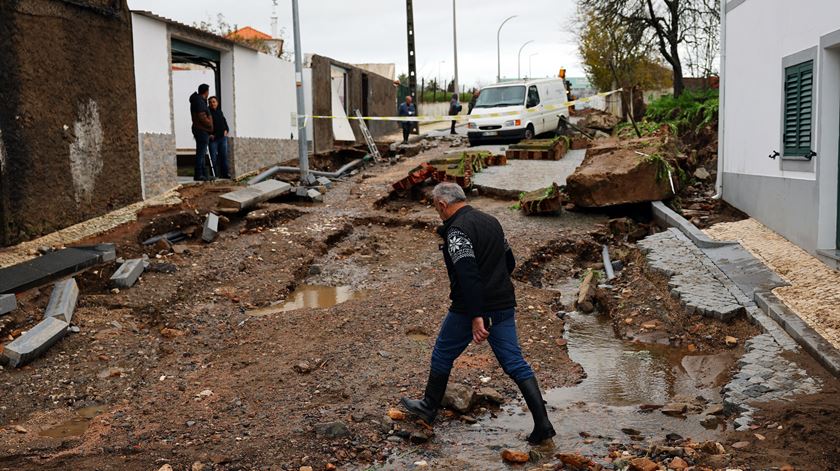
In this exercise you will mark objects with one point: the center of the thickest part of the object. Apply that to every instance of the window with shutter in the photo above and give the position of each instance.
(799, 87)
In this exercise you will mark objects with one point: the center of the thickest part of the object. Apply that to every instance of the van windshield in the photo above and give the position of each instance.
(498, 97)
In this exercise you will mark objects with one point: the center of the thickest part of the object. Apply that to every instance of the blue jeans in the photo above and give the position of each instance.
(456, 333)
(219, 156)
(202, 138)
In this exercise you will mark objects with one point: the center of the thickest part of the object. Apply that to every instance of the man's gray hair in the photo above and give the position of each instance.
(449, 193)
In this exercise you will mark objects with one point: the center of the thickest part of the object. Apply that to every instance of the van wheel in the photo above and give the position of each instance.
(529, 132)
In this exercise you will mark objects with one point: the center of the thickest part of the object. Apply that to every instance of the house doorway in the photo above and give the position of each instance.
(191, 65)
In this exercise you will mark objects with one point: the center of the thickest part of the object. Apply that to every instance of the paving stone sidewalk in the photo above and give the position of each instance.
(814, 288)
(695, 280)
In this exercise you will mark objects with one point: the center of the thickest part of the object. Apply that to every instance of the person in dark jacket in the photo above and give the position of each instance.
(479, 262)
(454, 108)
(202, 126)
(218, 140)
(473, 100)
(407, 109)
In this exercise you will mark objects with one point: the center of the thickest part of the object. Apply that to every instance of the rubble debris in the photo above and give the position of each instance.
(171, 237)
(513, 456)
(211, 228)
(63, 300)
(53, 266)
(643, 464)
(315, 195)
(585, 295)
(128, 273)
(253, 195)
(332, 430)
(456, 168)
(409, 150)
(491, 395)
(396, 414)
(702, 174)
(8, 303)
(34, 342)
(542, 201)
(458, 397)
(325, 182)
(600, 121)
(620, 176)
(539, 149)
(575, 461)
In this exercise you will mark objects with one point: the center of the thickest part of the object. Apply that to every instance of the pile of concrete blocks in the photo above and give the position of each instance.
(8, 303)
(45, 334)
(253, 195)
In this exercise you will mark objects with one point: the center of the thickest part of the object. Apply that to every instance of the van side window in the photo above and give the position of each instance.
(533, 97)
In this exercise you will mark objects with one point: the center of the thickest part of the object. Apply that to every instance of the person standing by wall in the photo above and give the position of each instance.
(479, 262)
(407, 109)
(202, 126)
(218, 140)
(454, 109)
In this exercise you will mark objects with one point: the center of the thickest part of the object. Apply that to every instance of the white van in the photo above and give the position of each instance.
(517, 110)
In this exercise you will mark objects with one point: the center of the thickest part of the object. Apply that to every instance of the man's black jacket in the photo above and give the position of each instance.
(479, 262)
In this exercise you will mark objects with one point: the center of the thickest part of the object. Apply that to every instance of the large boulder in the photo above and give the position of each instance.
(619, 176)
(600, 121)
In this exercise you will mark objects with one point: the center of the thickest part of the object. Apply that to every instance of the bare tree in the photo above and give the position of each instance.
(675, 25)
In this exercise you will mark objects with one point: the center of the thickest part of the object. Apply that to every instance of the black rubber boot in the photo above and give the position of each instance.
(427, 407)
(533, 397)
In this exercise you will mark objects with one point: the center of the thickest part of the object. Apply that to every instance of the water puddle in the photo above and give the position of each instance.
(75, 427)
(311, 296)
(621, 377)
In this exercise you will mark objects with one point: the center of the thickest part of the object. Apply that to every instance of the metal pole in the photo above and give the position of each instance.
(519, 63)
(303, 155)
(499, 49)
(455, 45)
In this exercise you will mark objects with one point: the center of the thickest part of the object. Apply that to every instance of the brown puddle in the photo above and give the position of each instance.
(76, 426)
(311, 296)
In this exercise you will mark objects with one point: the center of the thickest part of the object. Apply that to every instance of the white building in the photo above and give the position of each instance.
(256, 90)
(780, 118)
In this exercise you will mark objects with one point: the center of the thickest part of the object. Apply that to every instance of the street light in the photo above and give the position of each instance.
(499, 49)
(303, 156)
(455, 45)
(519, 63)
(530, 75)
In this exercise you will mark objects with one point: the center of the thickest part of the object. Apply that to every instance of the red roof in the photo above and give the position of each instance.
(248, 33)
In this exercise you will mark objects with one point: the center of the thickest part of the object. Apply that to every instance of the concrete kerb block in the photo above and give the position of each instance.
(813, 343)
(63, 300)
(668, 217)
(128, 273)
(35, 342)
(8, 303)
(315, 195)
(325, 182)
(211, 228)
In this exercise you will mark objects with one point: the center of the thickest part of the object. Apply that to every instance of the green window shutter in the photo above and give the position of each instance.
(799, 95)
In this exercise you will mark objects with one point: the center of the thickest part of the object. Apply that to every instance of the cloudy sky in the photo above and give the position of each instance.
(358, 31)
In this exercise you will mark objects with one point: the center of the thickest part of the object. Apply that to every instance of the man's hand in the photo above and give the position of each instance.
(480, 334)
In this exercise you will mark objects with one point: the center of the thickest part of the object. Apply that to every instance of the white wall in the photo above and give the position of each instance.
(265, 95)
(759, 34)
(151, 74)
(184, 84)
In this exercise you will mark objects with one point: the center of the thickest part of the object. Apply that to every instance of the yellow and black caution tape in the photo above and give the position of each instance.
(462, 117)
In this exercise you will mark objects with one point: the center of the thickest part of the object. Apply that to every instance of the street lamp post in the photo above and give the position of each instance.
(530, 74)
(519, 63)
(455, 45)
(499, 49)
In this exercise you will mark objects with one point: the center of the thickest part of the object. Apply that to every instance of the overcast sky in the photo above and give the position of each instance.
(359, 31)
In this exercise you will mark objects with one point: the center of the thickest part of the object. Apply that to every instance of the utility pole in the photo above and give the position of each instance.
(412, 58)
(499, 49)
(456, 88)
(306, 178)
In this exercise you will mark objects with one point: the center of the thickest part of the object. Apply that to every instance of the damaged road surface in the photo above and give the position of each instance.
(287, 342)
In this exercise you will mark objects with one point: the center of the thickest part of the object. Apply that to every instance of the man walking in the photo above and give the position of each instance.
(202, 126)
(454, 108)
(407, 109)
(479, 262)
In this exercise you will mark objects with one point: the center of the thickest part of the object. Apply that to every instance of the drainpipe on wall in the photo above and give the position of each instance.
(722, 98)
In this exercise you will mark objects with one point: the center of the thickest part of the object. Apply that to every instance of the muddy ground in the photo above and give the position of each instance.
(201, 362)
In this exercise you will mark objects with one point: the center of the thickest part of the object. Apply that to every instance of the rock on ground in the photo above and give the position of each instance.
(620, 176)
(458, 397)
(600, 121)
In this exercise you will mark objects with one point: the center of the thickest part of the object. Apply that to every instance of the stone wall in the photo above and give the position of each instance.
(69, 118)
(160, 168)
(249, 154)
